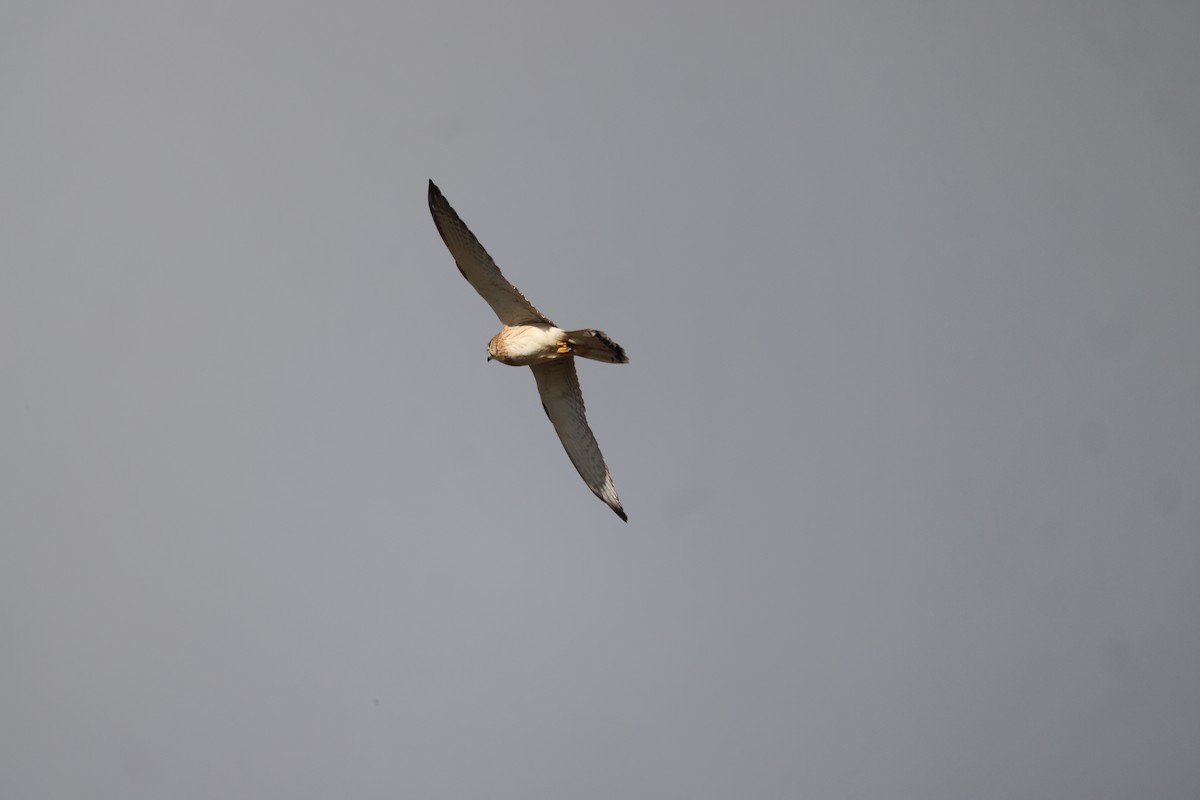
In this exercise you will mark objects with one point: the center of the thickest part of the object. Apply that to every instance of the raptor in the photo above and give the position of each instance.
(530, 339)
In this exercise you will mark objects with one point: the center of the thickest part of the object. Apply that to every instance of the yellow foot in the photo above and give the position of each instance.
(563, 347)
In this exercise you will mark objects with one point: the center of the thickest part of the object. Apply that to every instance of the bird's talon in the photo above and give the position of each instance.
(563, 347)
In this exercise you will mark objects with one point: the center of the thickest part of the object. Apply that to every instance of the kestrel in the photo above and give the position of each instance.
(530, 339)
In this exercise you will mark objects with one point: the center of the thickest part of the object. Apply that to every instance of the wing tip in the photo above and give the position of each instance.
(620, 512)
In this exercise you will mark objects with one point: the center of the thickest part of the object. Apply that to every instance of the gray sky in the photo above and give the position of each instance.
(910, 440)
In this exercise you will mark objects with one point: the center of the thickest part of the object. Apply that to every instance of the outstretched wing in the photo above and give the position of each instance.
(477, 266)
(563, 400)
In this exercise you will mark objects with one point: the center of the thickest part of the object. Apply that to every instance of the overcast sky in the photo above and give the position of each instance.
(909, 440)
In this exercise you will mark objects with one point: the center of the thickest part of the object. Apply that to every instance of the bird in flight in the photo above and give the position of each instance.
(530, 339)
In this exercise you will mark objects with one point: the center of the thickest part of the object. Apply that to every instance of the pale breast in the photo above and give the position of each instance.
(524, 345)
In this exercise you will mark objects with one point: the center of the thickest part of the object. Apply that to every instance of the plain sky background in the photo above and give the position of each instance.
(910, 440)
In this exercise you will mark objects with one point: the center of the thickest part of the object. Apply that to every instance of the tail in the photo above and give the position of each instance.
(596, 345)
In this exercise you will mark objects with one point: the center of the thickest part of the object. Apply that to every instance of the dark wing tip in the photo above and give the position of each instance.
(621, 513)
